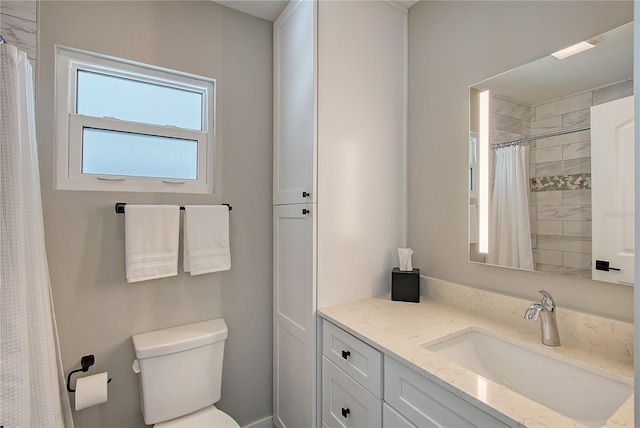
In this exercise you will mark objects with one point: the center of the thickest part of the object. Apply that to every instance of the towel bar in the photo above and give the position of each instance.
(120, 207)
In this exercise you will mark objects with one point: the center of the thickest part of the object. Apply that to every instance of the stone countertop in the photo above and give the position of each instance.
(398, 329)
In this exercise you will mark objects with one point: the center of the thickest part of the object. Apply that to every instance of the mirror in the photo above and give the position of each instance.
(534, 183)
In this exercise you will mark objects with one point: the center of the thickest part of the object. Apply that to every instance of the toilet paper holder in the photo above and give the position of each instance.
(86, 362)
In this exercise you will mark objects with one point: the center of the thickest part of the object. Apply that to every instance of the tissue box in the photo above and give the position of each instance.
(405, 286)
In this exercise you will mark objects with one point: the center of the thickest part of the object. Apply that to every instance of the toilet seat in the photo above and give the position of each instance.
(209, 417)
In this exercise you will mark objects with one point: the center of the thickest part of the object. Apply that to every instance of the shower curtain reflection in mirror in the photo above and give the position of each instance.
(509, 225)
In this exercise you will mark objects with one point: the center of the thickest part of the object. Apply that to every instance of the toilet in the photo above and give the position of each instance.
(181, 375)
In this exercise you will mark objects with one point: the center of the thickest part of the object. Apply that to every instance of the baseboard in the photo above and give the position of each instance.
(262, 423)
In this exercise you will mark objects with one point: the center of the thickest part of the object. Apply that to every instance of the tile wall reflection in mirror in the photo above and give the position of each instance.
(551, 163)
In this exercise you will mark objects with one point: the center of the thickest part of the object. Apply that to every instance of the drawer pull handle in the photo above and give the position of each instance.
(345, 412)
(305, 194)
(345, 354)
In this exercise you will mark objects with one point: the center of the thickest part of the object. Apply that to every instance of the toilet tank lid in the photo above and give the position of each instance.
(180, 338)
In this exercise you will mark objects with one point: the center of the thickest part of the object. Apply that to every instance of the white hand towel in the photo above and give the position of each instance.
(206, 239)
(151, 241)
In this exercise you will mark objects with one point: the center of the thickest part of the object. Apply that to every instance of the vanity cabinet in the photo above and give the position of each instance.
(352, 394)
(339, 181)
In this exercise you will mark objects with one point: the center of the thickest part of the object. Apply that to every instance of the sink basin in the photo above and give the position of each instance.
(574, 390)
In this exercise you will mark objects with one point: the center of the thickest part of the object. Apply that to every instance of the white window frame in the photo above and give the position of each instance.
(69, 125)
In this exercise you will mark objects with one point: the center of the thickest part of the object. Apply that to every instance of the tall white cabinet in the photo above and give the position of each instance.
(294, 225)
(339, 190)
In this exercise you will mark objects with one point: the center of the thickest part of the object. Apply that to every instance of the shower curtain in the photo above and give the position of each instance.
(32, 387)
(509, 226)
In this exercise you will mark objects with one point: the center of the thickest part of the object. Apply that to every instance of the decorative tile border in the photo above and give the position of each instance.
(561, 182)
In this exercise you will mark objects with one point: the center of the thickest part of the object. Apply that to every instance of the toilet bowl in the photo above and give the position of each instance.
(180, 372)
(209, 417)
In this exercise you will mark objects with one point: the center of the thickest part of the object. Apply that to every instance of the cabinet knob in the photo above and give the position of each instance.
(345, 412)
(306, 194)
(345, 354)
(305, 211)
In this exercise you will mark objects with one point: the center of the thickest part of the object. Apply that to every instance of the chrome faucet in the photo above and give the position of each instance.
(546, 312)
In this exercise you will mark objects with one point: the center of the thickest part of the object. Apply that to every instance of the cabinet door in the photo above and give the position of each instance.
(294, 303)
(357, 359)
(294, 104)
(393, 419)
(345, 403)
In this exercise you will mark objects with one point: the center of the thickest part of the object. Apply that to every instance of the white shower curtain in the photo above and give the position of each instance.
(32, 389)
(509, 226)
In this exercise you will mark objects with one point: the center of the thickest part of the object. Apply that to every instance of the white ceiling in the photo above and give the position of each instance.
(271, 9)
(609, 61)
(265, 9)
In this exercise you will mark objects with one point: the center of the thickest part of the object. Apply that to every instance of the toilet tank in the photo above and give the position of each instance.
(180, 369)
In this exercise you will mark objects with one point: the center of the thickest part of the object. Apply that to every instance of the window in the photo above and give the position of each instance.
(126, 126)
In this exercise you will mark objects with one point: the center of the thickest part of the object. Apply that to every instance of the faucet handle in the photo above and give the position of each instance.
(547, 300)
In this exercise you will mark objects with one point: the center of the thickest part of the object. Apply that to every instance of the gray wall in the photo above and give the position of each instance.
(97, 311)
(453, 45)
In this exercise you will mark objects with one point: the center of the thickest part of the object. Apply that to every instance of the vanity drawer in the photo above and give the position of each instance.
(427, 404)
(393, 419)
(359, 360)
(345, 403)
